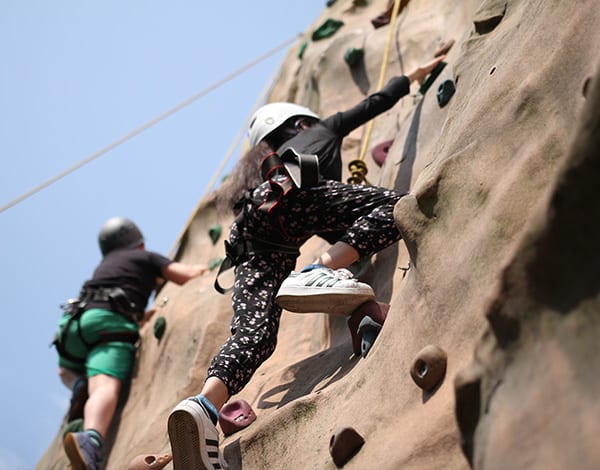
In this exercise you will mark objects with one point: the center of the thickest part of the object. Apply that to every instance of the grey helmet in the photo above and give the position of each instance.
(270, 116)
(119, 232)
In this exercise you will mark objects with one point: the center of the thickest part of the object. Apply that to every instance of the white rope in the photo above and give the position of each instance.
(149, 124)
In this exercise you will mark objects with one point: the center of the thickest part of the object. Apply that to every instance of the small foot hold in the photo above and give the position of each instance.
(150, 462)
(445, 91)
(344, 445)
(236, 415)
(377, 311)
(429, 367)
(380, 152)
(368, 329)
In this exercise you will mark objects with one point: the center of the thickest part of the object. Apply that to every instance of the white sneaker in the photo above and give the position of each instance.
(323, 290)
(194, 438)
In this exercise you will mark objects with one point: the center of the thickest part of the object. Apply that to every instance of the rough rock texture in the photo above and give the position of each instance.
(499, 266)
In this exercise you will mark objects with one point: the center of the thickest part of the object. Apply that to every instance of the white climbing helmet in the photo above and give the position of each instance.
(270, 116)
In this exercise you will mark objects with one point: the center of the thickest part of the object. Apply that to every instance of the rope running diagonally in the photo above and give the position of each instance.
(149, 124)
(357, 167)
(232, 147)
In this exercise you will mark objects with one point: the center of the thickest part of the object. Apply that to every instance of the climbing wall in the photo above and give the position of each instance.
(489, 347)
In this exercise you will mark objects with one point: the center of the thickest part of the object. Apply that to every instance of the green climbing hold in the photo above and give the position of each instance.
(160, 325)
(328, 28)
(215, 263)
(354, 56)
(301, 49)
(214, 233)
(73, 426)
(431, 77)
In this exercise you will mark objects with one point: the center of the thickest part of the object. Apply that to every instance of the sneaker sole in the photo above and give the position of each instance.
(185, 436)
(331, 302)
(73, 453)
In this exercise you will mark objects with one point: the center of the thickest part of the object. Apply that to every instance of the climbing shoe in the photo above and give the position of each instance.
(194, 438)
(323, 290)
(78, 398)
(81, 451)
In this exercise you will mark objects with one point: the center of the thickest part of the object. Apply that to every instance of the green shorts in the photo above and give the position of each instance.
(114, 358)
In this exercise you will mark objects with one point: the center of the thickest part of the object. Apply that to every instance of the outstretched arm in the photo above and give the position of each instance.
(345, 122)
(180, 273)
(421, 72)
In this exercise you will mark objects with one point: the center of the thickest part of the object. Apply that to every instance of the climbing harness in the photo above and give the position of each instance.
(119, 302)
(241, 251)
(301, 168)
(358, 169)
(298, 171)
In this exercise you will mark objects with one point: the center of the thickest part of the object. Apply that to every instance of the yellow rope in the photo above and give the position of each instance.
(357, 167)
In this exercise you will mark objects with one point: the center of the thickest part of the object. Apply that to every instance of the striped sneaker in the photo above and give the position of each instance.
(194, 438)
(323, 290)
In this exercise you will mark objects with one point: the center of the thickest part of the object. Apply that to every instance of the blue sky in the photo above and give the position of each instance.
(76, 76)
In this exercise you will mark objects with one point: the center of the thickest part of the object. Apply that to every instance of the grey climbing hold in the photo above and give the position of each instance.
(429, 367)
(445, 91)
(368, 329)
(344, 445)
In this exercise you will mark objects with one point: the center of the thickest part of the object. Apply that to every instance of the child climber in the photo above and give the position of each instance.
(96, 336)
(274, 220)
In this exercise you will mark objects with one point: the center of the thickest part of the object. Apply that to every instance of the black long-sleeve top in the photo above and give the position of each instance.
(324, 139)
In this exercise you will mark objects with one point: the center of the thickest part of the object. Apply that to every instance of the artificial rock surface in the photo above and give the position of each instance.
(498, 266)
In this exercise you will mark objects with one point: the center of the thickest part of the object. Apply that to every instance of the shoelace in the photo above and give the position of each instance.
(325, 277)
(342, 273)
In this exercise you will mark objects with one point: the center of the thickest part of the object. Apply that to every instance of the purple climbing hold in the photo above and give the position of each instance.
(236, 415)
(380, 152)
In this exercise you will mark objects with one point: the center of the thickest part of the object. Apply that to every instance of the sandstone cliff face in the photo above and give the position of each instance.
(498, 266)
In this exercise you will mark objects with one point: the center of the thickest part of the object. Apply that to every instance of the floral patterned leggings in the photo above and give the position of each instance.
(363, 213)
